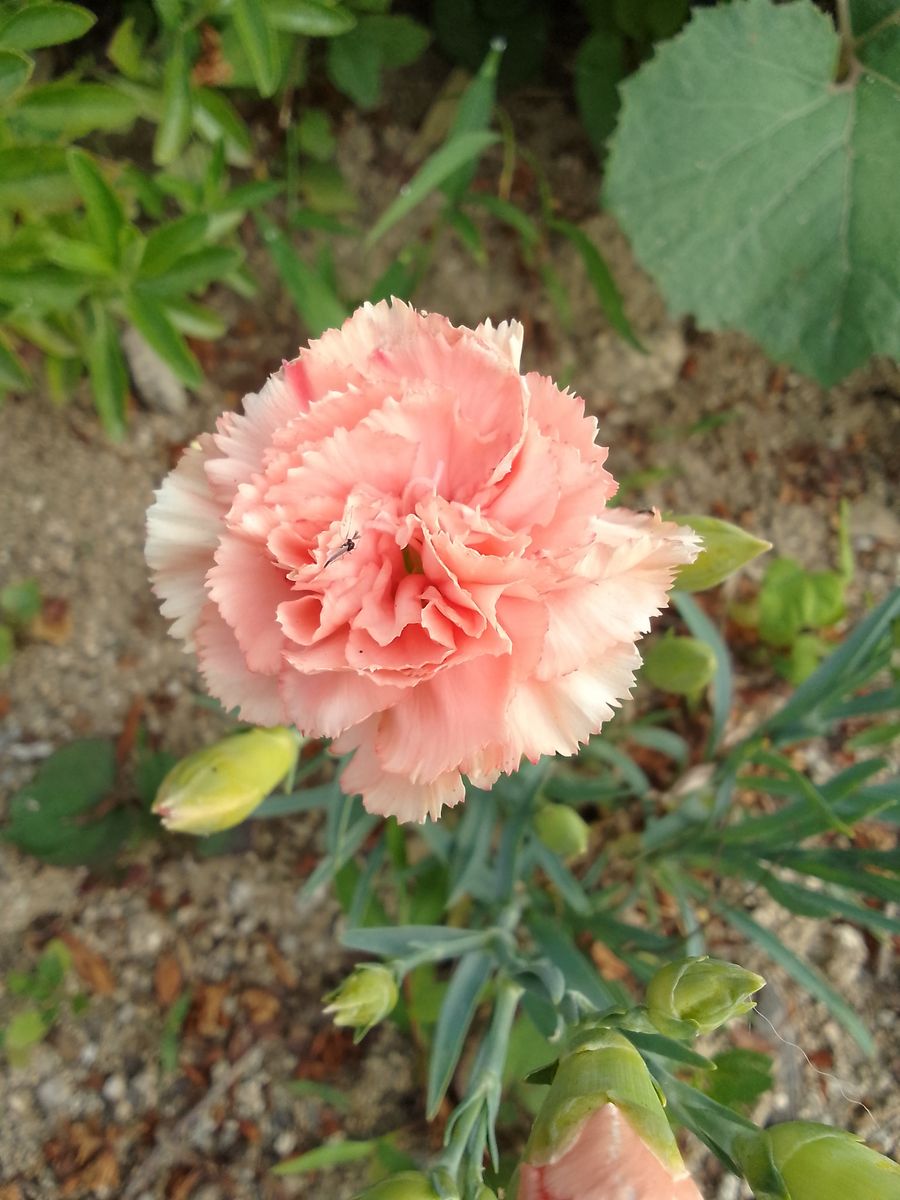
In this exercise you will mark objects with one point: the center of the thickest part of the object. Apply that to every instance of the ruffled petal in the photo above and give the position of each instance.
(184, 525)
(248, 588)
(228, 678)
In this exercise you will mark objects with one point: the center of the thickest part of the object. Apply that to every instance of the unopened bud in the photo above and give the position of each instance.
(409, 1185)
(704, 991)
(602, 1130)
(219, 786)
(562, 830)
(819, 1162)
(365, 997)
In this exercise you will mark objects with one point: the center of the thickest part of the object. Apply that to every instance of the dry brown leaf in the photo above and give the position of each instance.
(92, 968)
(53, 623)
(10, 1191)
(167, 979)
(282, 969)
(100, 1177)
(261, 1006)
(182, 1183)
(209, 998)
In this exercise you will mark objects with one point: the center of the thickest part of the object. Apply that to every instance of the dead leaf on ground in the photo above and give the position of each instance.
(282, 969)
(83, 1160)
(91, 967)
(209, 1020)
(261, 1006)
(182, 1183)
(99, 1178)
(130, 726)
(167, 979)
(53, 623)
(329, 1049)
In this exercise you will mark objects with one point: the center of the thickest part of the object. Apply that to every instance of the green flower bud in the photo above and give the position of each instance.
(365, 997)
(604, 1069)
(819, 1162)
(562, 830)
(409, 1185)
(704, 991)
(219, 786)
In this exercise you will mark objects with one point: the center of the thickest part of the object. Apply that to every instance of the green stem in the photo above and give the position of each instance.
(479, 1107)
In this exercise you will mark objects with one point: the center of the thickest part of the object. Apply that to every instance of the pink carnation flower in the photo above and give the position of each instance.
(403, 544)
(608, 1160)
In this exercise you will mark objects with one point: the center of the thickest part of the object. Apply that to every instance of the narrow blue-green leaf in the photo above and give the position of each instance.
(562, 878)
(307, 800)
(436, 168)
(665, 741)
(260, 43)
(723, 684)
(472, 847)
(808, 977)
(349, 843)
(822, 905)
(399, 941)
(828, 682)
(664, 1047)
(581, 975)
(601, 279)
(457, 1011)
(105, 215)
(150, 319)
(316, 303)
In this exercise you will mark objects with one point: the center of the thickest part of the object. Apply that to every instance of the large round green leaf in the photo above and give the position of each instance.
(760, 188)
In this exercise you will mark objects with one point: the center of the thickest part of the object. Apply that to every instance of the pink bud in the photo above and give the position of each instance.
(606, 1161)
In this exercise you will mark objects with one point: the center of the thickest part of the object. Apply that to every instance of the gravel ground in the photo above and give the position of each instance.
(94, 1112)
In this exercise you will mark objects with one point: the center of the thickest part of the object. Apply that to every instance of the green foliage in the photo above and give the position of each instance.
(20, 603)
(793, 605)
(751, 170)
(740, 1078)
(681, 665)
(77, 809)
(43, 991)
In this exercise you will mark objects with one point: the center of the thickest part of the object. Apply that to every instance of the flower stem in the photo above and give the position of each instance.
(471, 1127)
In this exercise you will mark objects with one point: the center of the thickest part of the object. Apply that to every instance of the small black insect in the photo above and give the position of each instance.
(344, 548)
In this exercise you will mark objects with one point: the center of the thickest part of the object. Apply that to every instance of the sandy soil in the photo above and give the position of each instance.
(93, 1113)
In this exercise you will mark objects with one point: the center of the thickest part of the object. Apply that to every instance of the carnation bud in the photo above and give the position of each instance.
(562, 830)
(705, 991)
(219, 786)
(818, 1162)
(602, 1130)
(365, 997)
(409, 1185)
